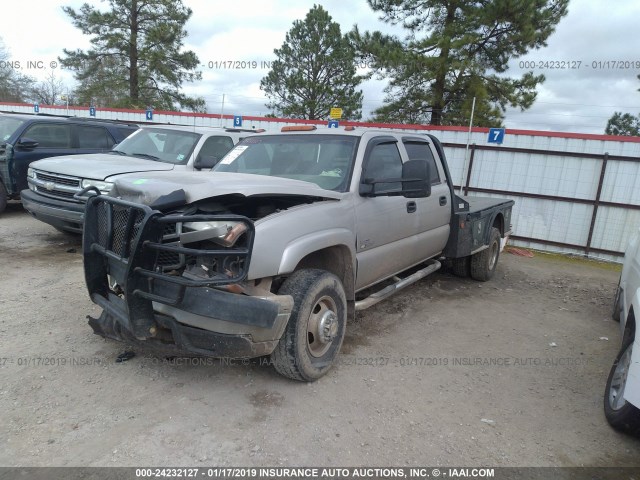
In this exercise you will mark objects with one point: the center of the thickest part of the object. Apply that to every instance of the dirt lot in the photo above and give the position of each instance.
(449, 372)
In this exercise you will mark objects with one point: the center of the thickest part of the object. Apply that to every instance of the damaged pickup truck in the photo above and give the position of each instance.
(273, 251)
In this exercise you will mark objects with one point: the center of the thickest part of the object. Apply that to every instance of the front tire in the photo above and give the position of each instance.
(620, 414)
(484, 263)
(313, 337)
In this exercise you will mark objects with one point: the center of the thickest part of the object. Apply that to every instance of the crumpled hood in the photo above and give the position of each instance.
(98, 166)
(146, 189)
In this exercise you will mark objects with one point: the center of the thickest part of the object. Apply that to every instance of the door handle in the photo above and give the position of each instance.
(411, 207)
(443, 200)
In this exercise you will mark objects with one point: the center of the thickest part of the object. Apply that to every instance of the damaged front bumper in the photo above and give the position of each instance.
(159, 300)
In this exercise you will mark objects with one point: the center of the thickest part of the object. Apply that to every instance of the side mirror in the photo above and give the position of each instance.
(205, 161)
(26, 144)
(416, 179)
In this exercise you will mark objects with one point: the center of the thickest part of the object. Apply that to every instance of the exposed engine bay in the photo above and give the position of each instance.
(206, 237)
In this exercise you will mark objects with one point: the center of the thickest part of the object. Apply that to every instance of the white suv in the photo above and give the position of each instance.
(622, 395)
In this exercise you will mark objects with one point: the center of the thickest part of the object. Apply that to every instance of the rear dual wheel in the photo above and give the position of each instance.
(484, 263)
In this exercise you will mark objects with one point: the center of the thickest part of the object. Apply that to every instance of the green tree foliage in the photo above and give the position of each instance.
(455, 50)
(623, 124)
(14, 86)
(136, 59)
(315, 70)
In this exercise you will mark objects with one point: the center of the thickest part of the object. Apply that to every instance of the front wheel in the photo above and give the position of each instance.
(484, 263)
(620, 414)
(313, 337)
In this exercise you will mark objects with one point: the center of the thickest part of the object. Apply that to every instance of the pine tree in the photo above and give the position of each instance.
(315, 70)
(136, 59)
(455, 50)
(623, 124)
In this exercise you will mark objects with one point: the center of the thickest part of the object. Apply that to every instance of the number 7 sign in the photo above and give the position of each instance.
(496, 135)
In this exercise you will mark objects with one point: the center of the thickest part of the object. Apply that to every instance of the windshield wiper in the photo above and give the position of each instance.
(145, 155)
(119, 152)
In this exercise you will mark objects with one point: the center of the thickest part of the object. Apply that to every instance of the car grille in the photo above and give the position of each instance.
(56, 179)
(54, 193)
(56, 186)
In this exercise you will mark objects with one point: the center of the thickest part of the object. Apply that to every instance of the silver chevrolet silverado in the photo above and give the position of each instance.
(274, 250)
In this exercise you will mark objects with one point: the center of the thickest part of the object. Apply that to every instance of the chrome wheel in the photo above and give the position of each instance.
(493, 256)
(322, 327)
(619, 380)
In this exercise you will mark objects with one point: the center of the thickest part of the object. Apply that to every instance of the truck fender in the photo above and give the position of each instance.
(487, 233)
(299, 248)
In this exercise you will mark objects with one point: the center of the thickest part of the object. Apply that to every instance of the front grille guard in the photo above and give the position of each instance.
(124, 240)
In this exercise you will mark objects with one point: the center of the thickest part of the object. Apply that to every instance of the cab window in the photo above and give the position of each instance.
(94, 137)
(49, 135)
(422, 151)
(384, 162)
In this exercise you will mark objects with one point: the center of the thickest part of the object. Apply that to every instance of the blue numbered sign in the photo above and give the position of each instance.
(496, 135)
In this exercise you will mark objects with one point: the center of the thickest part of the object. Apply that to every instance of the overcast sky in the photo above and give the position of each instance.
(580, 100)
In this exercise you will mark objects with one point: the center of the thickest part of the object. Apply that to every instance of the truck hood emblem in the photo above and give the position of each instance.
(49, 185)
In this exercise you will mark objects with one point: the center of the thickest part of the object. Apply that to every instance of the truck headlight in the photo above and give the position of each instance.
(222, 233)
(31, 173)
(104, 187)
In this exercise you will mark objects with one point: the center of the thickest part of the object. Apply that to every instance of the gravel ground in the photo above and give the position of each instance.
(449, 372)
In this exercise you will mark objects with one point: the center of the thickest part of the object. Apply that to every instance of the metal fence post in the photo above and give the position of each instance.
(596, 203)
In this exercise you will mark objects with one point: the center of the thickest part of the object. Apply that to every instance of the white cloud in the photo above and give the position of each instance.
(572, 100)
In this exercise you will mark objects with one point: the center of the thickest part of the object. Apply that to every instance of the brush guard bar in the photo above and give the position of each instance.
(124, 241)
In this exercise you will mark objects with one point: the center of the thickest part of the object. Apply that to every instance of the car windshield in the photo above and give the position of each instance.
(8, 126)
(159, 144)
(321, 159)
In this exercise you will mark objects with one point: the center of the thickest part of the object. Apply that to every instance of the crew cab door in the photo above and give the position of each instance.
(434, 211)
(386, 226)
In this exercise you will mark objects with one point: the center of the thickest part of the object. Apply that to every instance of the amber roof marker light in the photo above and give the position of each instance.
(298, 128)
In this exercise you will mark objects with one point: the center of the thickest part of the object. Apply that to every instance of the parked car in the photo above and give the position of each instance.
(25, 138)
(622, 394)
(270, 253)
(52, 182)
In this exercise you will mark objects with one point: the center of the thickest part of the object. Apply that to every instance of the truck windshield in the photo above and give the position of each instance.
(8, 126)
(159, 144)
(321, 159)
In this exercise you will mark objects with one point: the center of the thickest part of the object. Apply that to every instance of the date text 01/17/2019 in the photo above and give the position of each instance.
(579, 64)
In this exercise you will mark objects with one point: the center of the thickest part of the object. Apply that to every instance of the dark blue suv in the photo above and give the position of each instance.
(26, 138)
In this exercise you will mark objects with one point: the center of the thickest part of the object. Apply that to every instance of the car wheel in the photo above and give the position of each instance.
(313, 337)
(620, 414)
(484, 263)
